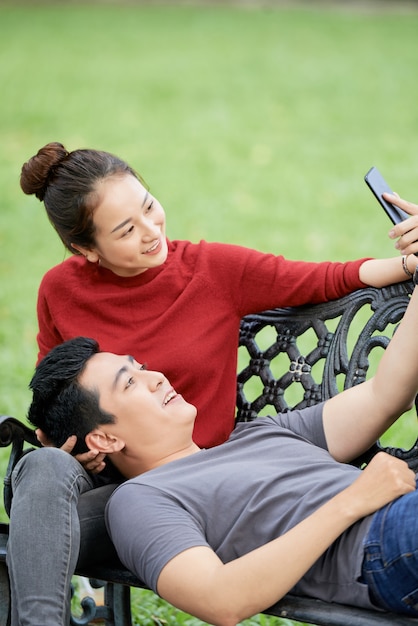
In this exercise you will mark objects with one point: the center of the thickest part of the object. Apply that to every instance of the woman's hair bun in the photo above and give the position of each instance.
(36, 173)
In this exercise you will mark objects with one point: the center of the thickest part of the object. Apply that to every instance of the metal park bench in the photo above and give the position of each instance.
(288, 358)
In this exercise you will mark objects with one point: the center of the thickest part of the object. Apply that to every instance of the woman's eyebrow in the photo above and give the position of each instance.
(129, 219)
(121, 225)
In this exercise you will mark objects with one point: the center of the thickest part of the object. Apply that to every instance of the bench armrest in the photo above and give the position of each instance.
(15, 433)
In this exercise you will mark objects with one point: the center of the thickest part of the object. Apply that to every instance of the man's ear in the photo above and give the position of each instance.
(91, 255)
(97, 439)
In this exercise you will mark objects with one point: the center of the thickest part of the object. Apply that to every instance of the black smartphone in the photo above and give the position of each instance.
(378, 186)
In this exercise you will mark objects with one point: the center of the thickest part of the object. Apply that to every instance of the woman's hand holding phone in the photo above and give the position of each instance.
(402, 213)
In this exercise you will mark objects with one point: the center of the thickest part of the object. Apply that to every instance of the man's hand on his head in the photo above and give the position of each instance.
(92, 461)
(44, 441)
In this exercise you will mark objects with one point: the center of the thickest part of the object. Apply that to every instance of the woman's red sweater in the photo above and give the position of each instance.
(183, 317)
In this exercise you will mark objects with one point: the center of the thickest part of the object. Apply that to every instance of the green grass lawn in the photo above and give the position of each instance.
(251, 125)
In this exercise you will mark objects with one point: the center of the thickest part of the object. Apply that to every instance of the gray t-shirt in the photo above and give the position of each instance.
(270, 474)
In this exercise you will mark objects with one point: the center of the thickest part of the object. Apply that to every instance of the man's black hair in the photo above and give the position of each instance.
(60, 405)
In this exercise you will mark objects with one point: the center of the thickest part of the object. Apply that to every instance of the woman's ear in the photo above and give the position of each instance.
(99, 440)
(91, 255)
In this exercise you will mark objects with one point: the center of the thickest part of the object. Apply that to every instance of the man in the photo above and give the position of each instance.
(226, 532)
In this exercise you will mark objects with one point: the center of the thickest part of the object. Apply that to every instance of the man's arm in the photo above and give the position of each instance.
(355, 418)
(197, 581)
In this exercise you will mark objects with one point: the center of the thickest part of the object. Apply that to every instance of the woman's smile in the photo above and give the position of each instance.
(155, 248)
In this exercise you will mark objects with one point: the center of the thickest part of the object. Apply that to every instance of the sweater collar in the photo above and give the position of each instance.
(106, 276)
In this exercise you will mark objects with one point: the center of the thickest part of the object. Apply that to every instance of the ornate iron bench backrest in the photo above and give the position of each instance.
(297, 357)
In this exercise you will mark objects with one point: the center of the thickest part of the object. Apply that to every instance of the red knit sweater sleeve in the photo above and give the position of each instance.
(260, 281)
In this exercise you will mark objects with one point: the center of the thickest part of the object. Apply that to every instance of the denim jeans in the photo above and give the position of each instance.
(390, 565)
(55, 510)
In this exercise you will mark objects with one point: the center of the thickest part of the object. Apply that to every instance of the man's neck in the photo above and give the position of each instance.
(131, 466)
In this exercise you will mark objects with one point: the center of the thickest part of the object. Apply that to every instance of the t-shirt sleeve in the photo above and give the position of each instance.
(307, 423)
(149, 528)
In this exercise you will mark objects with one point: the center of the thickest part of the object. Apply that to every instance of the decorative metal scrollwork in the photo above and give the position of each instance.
(336, 355)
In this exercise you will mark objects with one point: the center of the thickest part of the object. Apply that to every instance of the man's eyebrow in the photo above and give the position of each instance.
(122, 224)
(122, 371)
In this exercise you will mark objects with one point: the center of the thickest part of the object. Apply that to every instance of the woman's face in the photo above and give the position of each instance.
(130, 227)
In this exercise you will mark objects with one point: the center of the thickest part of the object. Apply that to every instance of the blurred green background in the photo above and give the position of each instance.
(253, 123)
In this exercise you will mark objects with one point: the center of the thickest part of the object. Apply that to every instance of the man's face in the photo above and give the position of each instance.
(148, 411)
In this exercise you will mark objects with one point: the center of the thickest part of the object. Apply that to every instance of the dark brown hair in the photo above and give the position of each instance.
(60, 405)
(66, 183)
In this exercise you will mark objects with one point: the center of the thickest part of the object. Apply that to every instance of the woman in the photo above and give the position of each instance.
(178, 303)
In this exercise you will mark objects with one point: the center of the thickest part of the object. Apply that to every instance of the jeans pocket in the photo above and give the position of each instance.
(411, 600)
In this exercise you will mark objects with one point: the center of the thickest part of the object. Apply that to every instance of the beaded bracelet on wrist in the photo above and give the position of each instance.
(405, 266)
